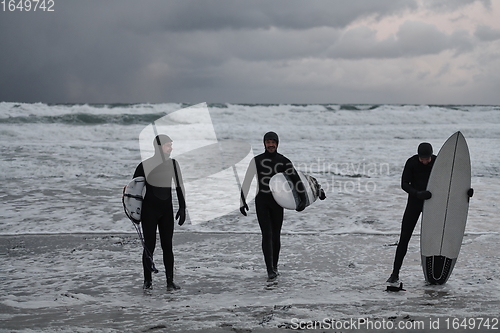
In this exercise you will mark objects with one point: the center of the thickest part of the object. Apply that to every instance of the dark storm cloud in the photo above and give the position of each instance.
(189, 15)
(104, 50)
(140, 51)
(61, 56)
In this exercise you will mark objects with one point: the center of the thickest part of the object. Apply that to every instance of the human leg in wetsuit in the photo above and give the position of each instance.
(270, 216)
(410, 217)
(158, 214)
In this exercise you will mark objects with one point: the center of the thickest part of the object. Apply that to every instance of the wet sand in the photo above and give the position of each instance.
(93, 283)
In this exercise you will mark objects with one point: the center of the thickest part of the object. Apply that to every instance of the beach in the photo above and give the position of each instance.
(93, 283)
(71, 261)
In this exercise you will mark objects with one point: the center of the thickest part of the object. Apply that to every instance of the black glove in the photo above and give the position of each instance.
(244, 209)
(322, 195)
(181, 215)
(423, 195)
(470, 192)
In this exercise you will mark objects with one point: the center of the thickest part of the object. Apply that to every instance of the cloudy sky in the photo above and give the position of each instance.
(242, 51)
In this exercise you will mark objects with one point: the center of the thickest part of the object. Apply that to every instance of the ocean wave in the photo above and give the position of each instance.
(85, 119)
(124, 114)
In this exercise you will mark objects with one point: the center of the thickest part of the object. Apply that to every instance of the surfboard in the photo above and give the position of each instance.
(286, 194)
(132, 197)
(445, 214)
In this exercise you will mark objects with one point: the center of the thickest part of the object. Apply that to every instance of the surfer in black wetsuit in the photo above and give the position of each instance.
(414, 182)
(157, 209)
(269, 213)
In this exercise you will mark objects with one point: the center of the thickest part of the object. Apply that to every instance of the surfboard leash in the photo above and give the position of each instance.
(146, 251)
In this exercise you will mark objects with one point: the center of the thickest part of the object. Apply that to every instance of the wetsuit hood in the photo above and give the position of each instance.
(424, 150)
(160, 140)
(271, 136)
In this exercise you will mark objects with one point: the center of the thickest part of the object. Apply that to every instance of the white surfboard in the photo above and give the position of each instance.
(286, 195)
(445, 214)
(132, 197)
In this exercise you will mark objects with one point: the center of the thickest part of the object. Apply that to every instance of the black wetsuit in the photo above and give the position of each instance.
(269, 213)
(414, 180)
(157, 211)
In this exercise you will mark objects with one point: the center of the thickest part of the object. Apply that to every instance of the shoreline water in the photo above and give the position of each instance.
(89, 282)
(71, 260)
(64, 170)
(228, 232)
